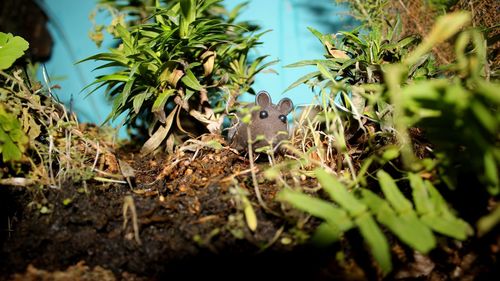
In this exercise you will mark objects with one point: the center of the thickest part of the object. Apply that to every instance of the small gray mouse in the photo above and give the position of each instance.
(267, 119)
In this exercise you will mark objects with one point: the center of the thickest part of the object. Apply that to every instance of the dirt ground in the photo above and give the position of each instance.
(188, 225)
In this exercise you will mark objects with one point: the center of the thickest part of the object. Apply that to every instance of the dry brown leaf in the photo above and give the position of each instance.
(208, 58)
(161, 133)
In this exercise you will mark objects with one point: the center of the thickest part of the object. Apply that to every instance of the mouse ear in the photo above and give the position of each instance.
(263, 99)
(285, 105)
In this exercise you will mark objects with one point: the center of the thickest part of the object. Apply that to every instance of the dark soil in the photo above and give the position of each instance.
(185, 228)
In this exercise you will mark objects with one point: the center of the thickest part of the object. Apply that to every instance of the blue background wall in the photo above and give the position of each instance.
(289, 41)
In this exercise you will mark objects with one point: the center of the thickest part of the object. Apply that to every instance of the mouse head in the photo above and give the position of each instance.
(270, 120)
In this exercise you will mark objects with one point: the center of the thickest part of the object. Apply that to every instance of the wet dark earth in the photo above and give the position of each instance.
(189, 224)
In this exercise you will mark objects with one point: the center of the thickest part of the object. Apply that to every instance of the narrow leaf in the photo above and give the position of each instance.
(318, 208)
(161, 100)
(326, 234)
(250, 216)
(392, 193)
(303, 79)
(190, 81)
(325, 72)
(407, 229)
(376, 241)
(338, 192)
(445, 27)
(451, 227)
(423, 204)
(11, 48)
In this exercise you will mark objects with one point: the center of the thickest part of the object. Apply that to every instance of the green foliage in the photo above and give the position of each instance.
(488, 222)
(188, 58)
(11, 48)
(382, 86)
(413, 223)
(354, 59)
(40, 142)
(456, 113)
(13, 141)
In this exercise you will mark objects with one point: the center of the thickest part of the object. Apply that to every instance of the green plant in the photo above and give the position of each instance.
(187, 60)
(13, 141)
(48, 145)
(11, 48)
(441, 4)
(40, 142)
(380, 90)
(413, 225)
(403, 95)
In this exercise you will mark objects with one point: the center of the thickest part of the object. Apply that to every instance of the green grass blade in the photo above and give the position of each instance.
(407, 229)
(488, 222)
(338, 192)
(423, 204)
(303, 79)
(190, 81)
(160, 101)
(318, 208)
(451, 227)
(326, 234)
(393, 194)
(376, 240)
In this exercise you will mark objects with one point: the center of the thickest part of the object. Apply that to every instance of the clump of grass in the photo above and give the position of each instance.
(44, 145)
(58, 148)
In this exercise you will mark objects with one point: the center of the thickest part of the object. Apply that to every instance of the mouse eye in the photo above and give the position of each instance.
(263, 114)
(282, 118)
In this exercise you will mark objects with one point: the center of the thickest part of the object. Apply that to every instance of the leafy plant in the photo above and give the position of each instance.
(13, 141)
(40, 142)
(413, 225)
(373, 92)
(11, 48)
(397, 96)
(186, 61)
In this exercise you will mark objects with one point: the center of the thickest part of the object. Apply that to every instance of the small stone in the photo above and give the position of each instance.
(129, 236)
